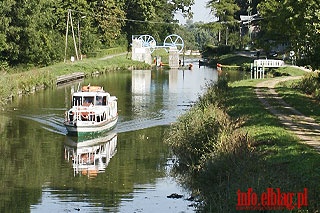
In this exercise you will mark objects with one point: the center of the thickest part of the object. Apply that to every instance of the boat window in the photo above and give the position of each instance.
(88, 100)
(104, 101)
(76, 101)
(99, 100)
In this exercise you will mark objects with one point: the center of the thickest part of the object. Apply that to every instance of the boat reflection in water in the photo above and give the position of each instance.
(90, 156)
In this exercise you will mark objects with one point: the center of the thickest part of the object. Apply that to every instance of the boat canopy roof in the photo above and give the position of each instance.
(92, 95)
(90, 88)
(86, 94)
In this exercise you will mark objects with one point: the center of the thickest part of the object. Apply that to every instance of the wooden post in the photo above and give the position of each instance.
(79, 45)
(65, 50)
(74, 38)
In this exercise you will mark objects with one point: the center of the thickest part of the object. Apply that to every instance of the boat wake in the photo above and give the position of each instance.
(142, 123)
(50, 122)
(53, 121)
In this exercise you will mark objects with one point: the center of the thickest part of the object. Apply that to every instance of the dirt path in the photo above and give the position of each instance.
(304, 127)
(111, 56)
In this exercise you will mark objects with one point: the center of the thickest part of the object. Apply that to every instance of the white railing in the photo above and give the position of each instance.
(268, 63)
(258, 67)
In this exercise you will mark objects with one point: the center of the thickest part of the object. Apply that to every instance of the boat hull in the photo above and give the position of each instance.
(84, 127)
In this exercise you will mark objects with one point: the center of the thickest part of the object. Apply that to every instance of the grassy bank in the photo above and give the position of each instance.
(303, 95)
(234, 60)
(259, 153)
(19, 82)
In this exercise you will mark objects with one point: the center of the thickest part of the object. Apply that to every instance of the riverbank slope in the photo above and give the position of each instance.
(14, 83)
(271, 155)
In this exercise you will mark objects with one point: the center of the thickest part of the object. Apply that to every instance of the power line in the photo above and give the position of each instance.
(126, 19)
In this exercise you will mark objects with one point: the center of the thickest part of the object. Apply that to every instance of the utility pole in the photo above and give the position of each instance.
(66, 44)
(227, 35)
(79, 36)
(74, 38)
(249, 15)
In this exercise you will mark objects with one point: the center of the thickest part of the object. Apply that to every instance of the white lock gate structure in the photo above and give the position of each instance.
(144, 45)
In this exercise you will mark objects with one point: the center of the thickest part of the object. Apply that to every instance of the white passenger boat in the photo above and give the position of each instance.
(92, 110)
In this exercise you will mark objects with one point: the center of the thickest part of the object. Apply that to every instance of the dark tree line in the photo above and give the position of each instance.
(293, 23)
(33, 31)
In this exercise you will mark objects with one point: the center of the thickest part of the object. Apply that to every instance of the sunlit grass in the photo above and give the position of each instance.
(234, 59)
(305, 104)
(277, 158)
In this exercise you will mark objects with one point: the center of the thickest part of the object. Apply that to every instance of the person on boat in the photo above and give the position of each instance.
(99, 100)
(88, 101)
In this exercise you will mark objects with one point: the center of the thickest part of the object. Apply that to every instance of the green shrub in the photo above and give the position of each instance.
(310, 84)
(4, 66)
(207, 131)
(211, 51)
(246, 67)
(216, 92)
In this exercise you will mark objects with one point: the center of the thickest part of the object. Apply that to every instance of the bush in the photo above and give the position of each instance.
(193, 137)
(213, 52)
(215, 93)
(310, 84)
(4, 66)
(206, 132)
(246, 67)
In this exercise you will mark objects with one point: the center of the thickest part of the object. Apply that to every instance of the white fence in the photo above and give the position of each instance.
(257, 67)
(268, 63)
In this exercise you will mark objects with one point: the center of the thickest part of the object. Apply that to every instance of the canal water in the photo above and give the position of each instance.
(126, 170)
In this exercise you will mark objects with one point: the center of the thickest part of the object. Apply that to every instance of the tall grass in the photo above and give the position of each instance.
(310, 84)
(207, 131)
(202, 133)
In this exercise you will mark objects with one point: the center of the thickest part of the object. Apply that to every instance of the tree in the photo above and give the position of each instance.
(28, 37)
(5, 8)
(153, 17)
(225, 11)
(297, 25)
(109, 19)
(33, 31)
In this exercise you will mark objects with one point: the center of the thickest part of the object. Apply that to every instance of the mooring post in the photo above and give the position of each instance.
(173, 58)
(255, 72)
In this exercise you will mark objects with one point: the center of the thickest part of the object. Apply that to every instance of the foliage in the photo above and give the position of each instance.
(206, 131)
(214, 52)
(310, 84)
(272, 157)
(109, 20)
(34, 31)
(153, 17)
(227, 24)
(224, 9)
(304, 38)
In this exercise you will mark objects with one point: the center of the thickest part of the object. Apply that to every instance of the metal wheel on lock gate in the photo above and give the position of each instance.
(148, 41)
(174, 40)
